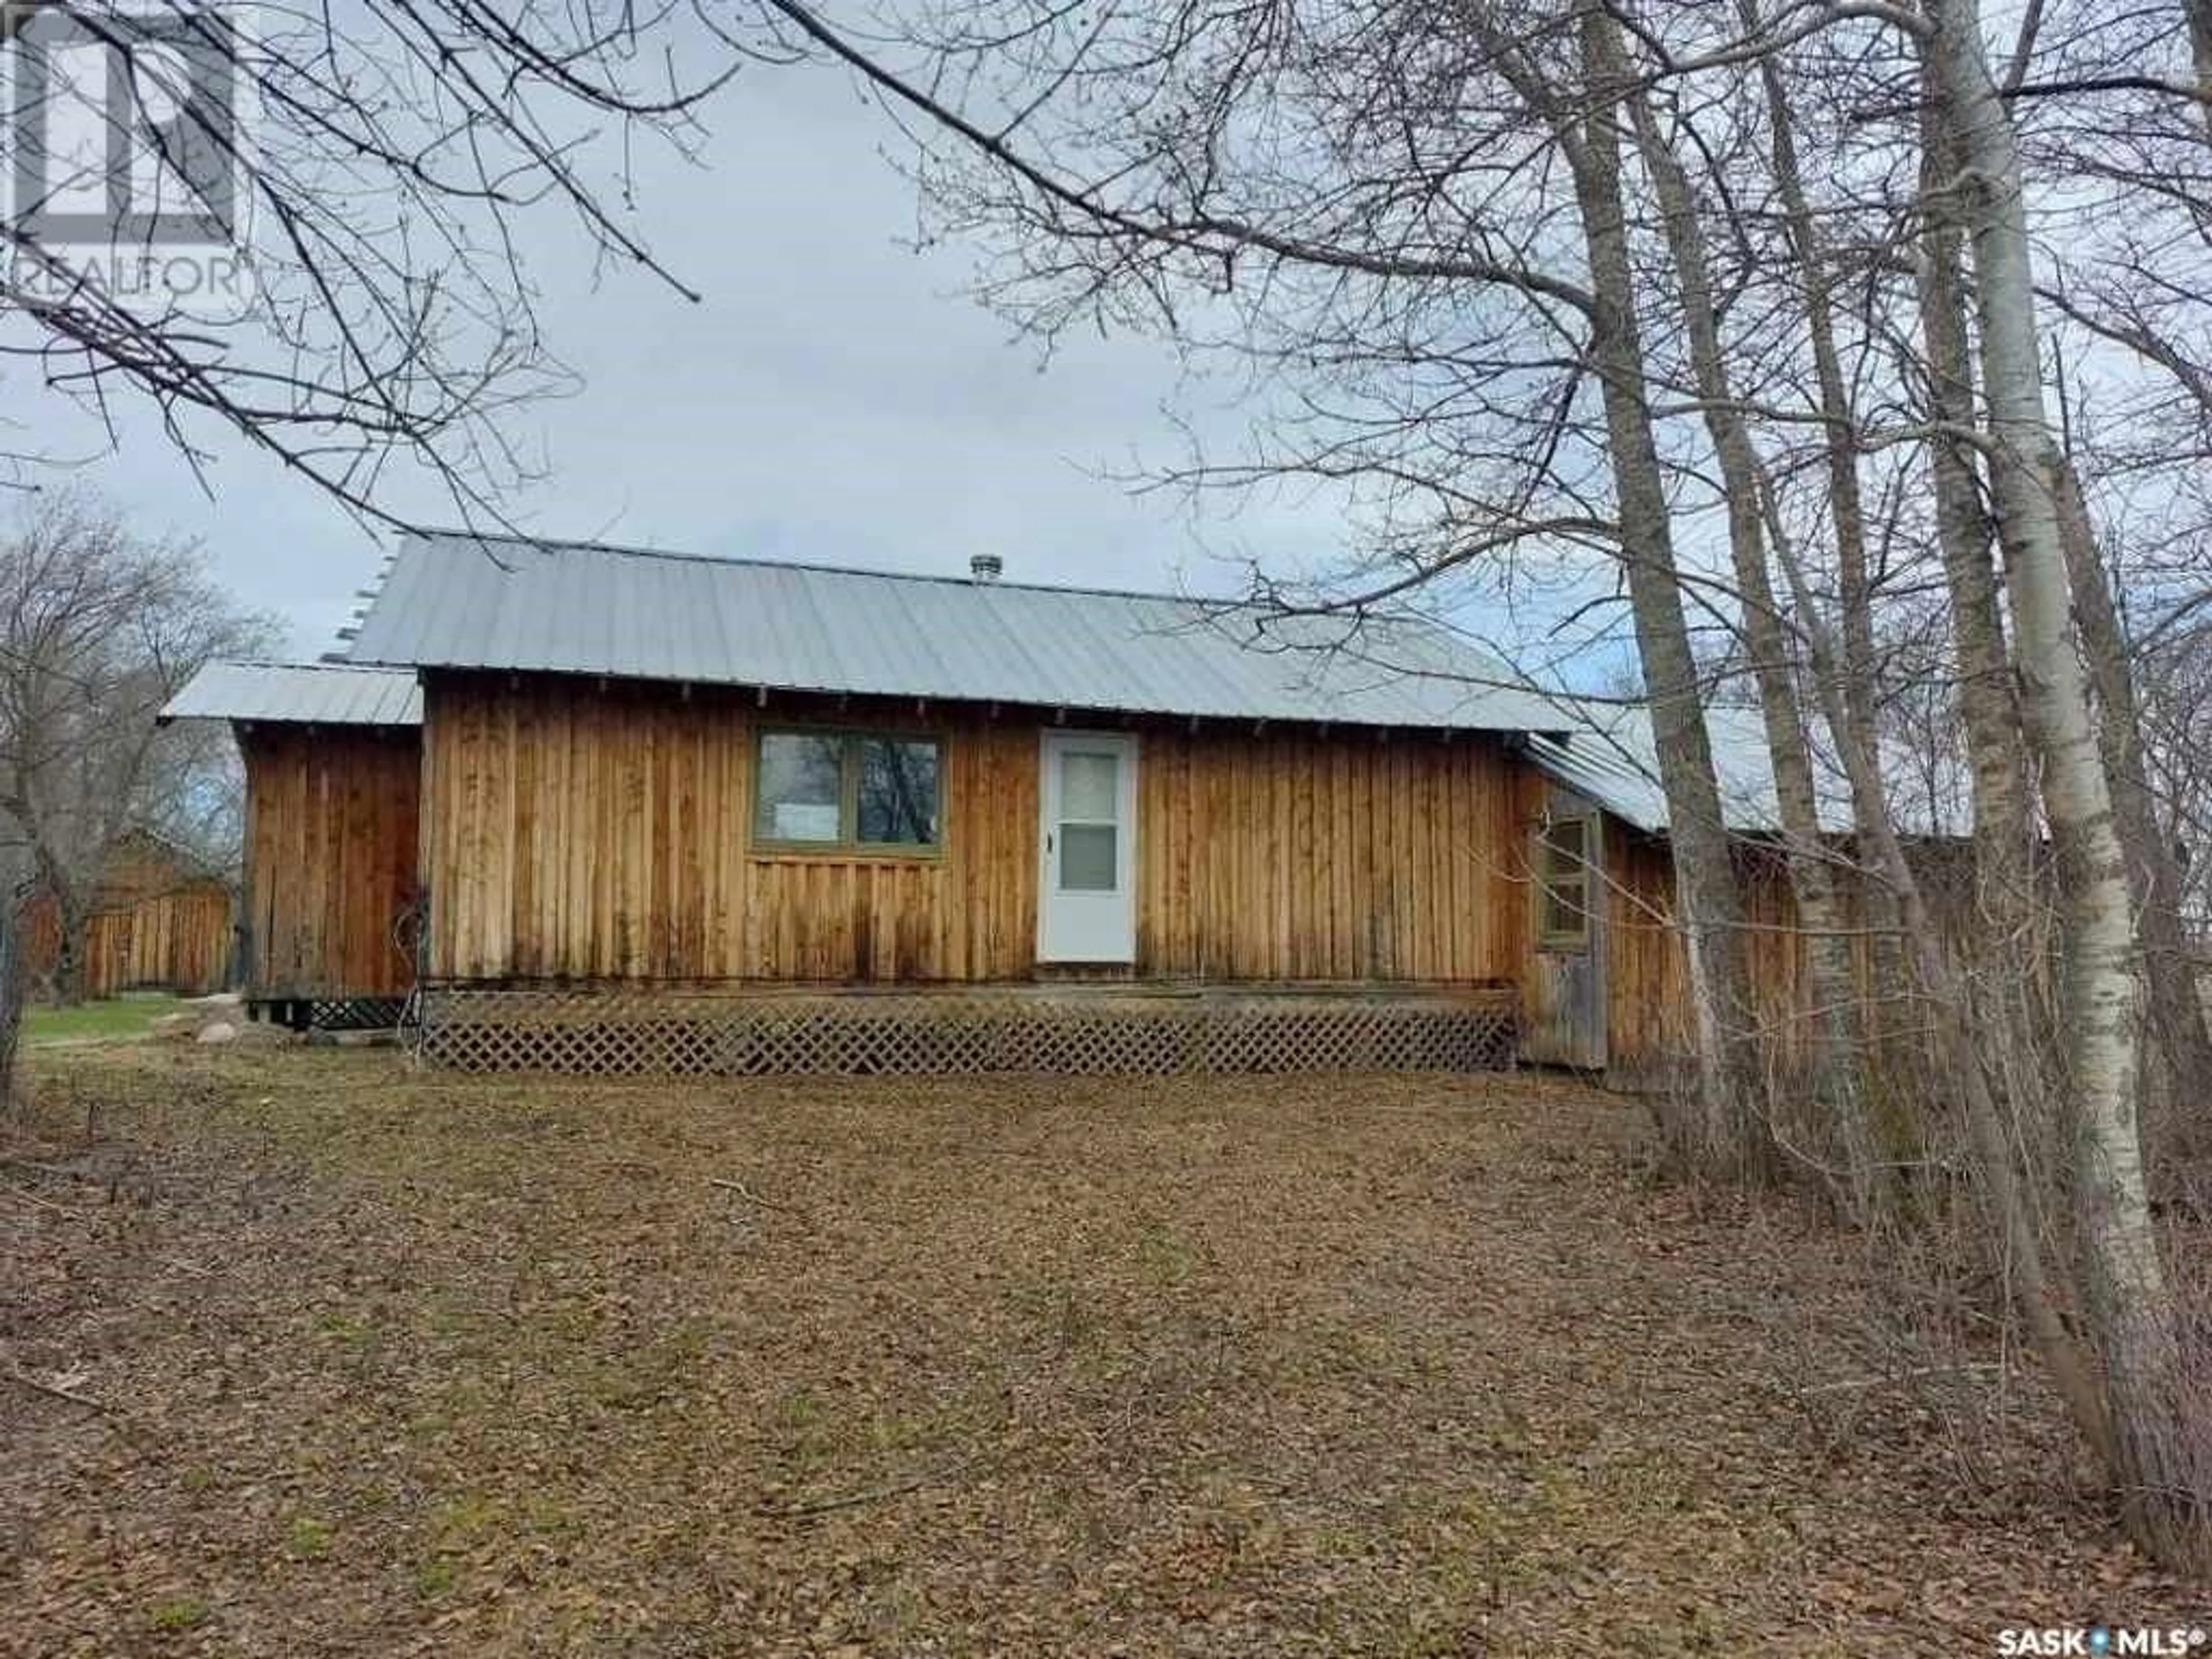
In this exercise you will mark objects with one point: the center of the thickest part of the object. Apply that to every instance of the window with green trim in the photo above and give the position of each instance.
(1562, 878)
(823, 789)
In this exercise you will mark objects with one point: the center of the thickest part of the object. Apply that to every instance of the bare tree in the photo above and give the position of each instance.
(1417, 235)
(2151, 1450)
(1767, 643)
(98, 629)
(371, 166)
(14, 866)
(1988, 705)
(1422, 235)
(2177, 1016)
(1705, 883)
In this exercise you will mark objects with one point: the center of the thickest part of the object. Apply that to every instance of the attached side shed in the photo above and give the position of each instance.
(333, 759)
(1637, 1027)
(1575, 932)
(1611, 992)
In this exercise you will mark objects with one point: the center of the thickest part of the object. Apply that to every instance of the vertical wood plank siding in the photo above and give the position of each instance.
(1648, 986)
(1648, 1026)
(577, 832)
(331, 830)
(178, 938)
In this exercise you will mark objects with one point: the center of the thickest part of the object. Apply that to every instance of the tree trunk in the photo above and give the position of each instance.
(1839, 433)
(1989, 711)
(1728, 1139)
(2153, 881)
(2006, 1001)
(1837, 1056)
(2200, 51)
(1840, 449)
(2153, 1464)
(2030, 1285)
(73, 920)
(11, 998)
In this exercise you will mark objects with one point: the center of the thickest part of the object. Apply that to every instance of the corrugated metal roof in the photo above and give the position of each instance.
(458, 601)
(321, 694)
(1612, 760)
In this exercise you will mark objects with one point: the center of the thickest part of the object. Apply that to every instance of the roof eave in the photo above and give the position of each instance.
(1130, 710)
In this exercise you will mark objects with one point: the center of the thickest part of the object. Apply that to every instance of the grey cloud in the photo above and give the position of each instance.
(833, 398)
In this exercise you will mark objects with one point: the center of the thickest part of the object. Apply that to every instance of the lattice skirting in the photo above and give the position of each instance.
(332, 1013)
(753, 1035)
(358, 1014)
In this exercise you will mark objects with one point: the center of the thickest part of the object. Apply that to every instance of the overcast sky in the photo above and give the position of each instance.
(835, 399)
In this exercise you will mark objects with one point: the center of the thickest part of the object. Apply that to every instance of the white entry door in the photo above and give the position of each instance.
(1087, 845)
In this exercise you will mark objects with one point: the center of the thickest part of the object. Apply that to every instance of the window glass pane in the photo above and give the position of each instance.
(800, 787)
(898, 792)
(1564, 846)
(1086, 785)
(1563, 905)
(1564, 908)
(1087, 857)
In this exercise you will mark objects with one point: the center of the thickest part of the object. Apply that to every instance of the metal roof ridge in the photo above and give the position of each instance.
(319, 666)
(1003, 584)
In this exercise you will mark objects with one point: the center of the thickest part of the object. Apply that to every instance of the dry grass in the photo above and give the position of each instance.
(403, 1363)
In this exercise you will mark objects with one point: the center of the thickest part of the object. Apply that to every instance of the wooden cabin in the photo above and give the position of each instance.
(689, 813)
(161, 920)
(333, 761)
(931, 805)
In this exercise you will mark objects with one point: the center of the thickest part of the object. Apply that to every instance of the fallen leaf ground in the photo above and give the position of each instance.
(388, 1363)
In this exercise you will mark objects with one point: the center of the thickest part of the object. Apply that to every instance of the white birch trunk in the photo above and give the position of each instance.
(2177, 1017)
(1989, 710)
(2130, 1309)
(2031, 1284)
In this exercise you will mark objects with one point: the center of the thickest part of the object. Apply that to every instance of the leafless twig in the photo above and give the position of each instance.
(70, 1395)
(870, 1495)
(750, 1195)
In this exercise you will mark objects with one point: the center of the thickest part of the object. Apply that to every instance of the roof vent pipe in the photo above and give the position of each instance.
(987, 567)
